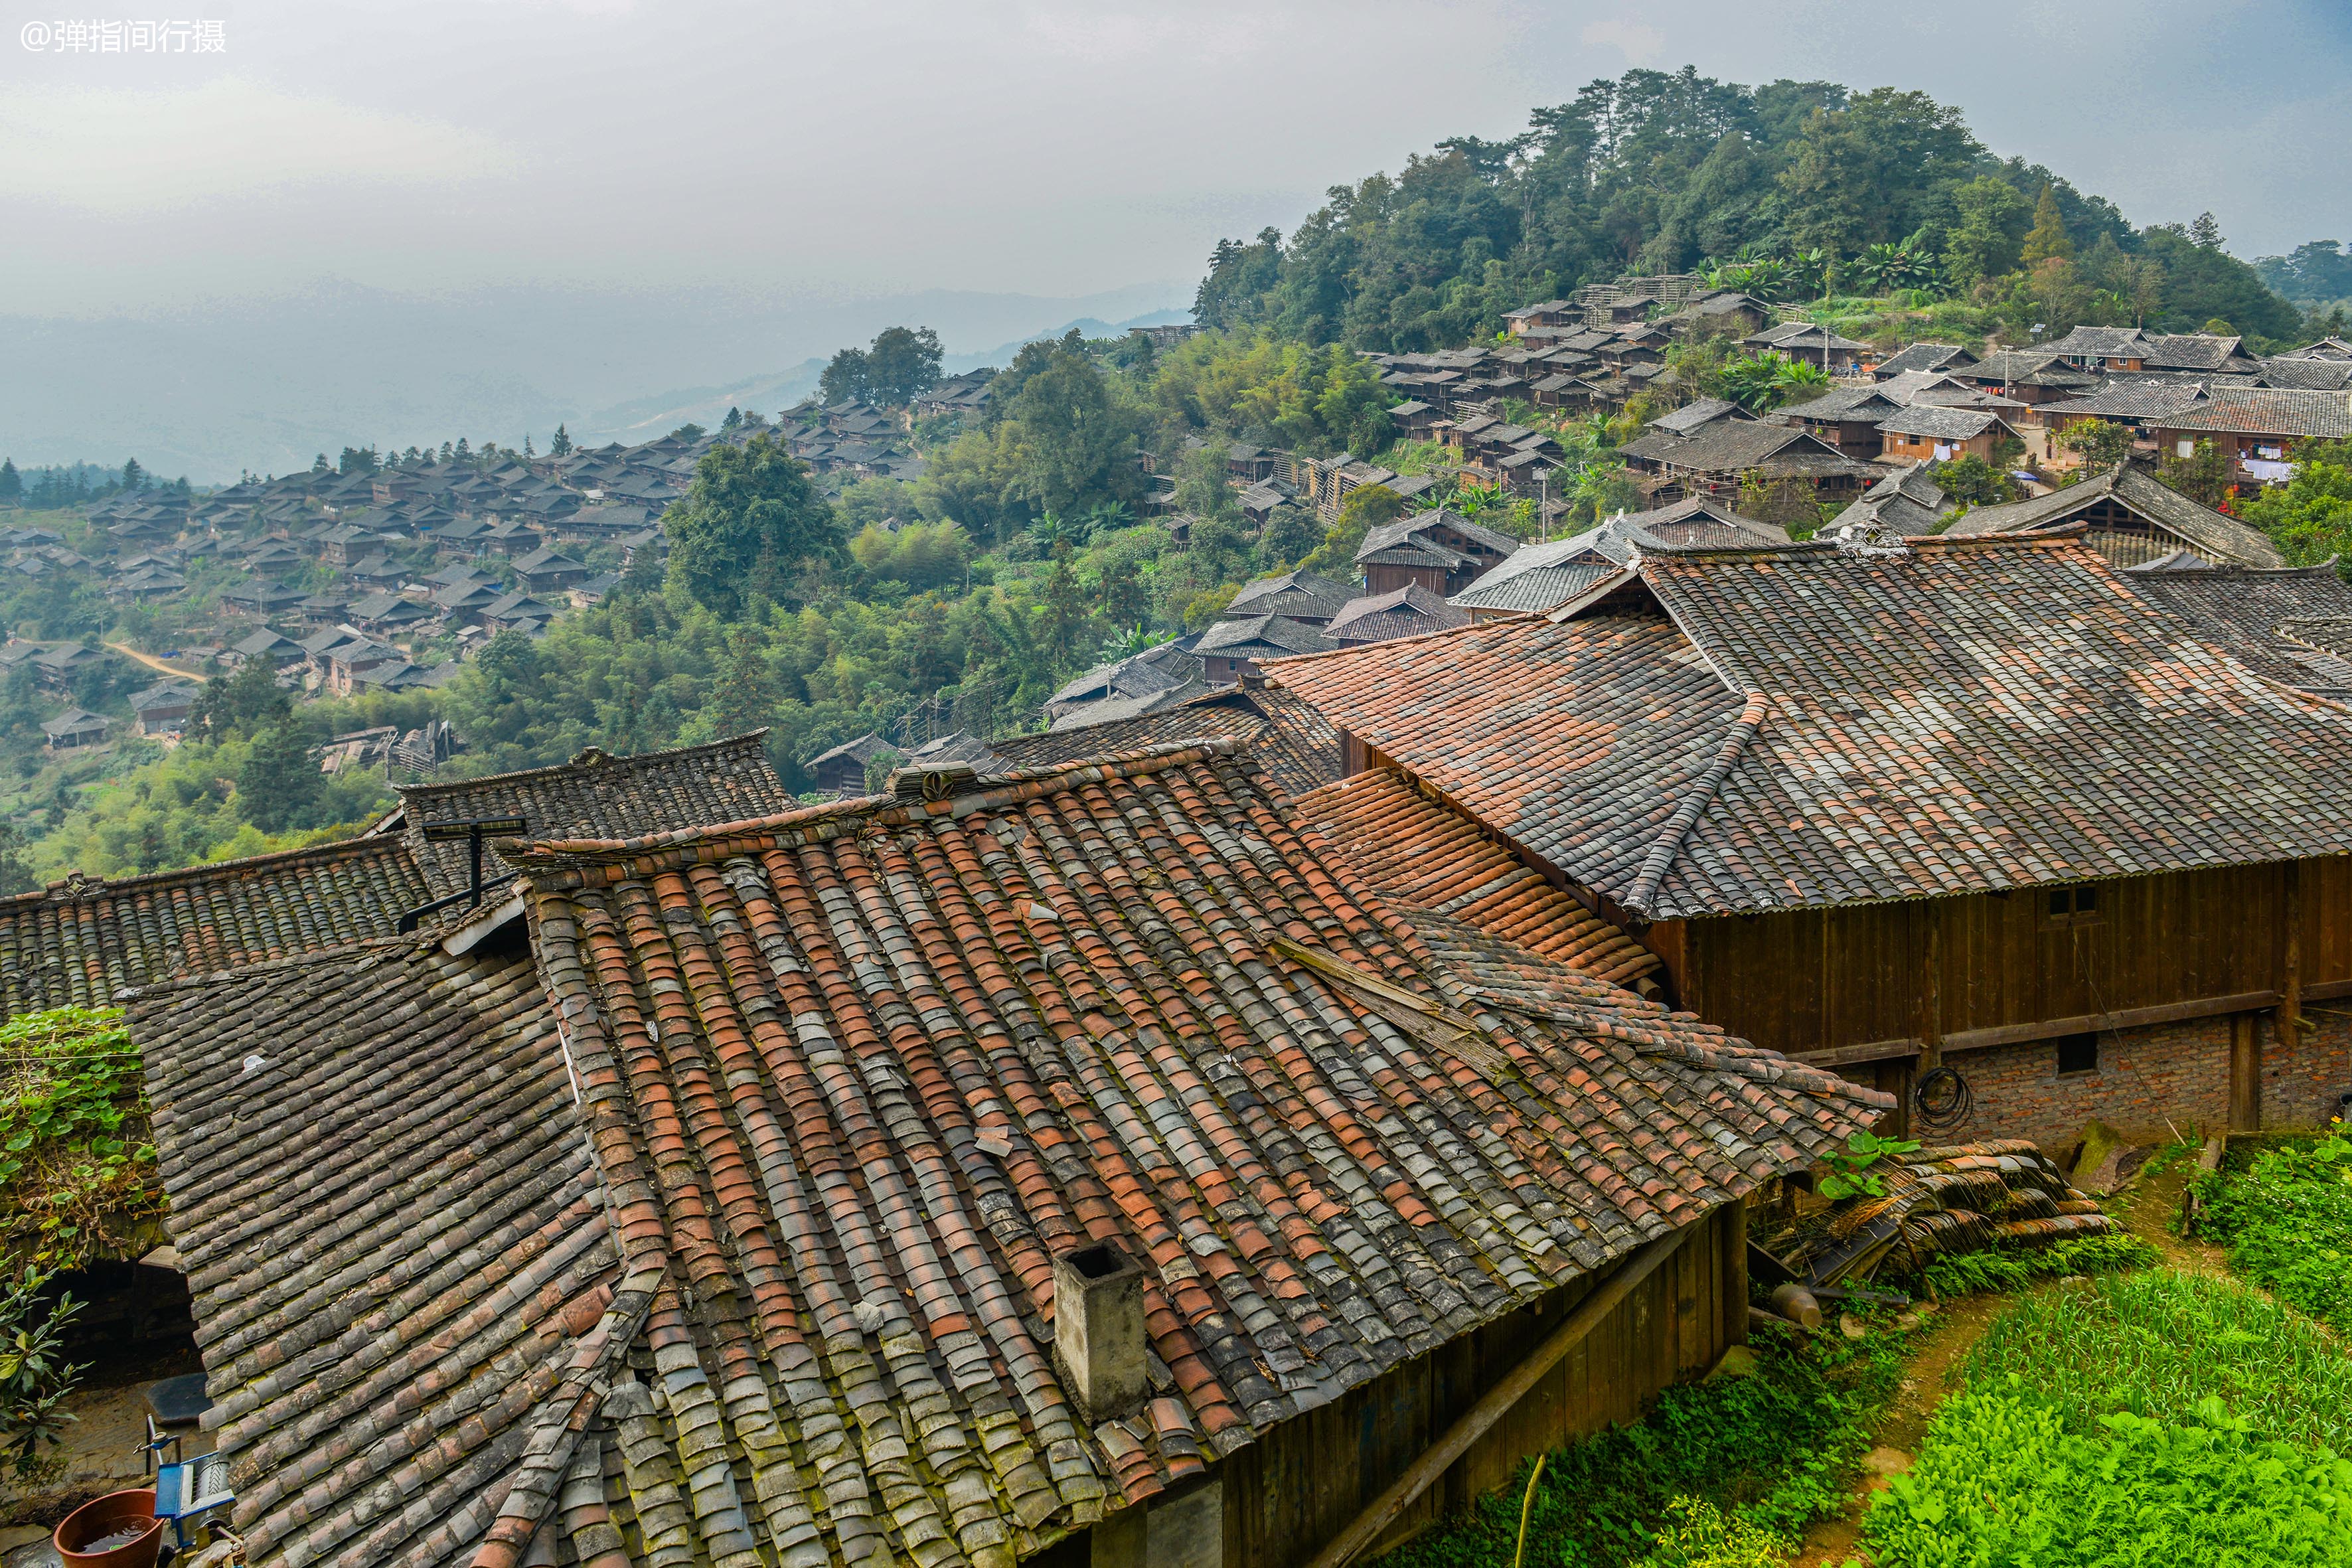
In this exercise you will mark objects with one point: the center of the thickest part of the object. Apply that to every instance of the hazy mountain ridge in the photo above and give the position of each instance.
(266, 384)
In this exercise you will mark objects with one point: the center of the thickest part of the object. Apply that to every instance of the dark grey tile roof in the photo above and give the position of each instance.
(1940, 424)
(1819, 725)
(1734, 446)
(1408, 611)
(1302, 595)
(81, 941)
(1922, 357)
(597, 794)
(2325, 415)
(2127, 397)
(1691, 416)
(1261, 636)
(2026, 367)
(1842, 403)
(2243, 611)
(383, 1200)
(2217, 538)
(2307, 375)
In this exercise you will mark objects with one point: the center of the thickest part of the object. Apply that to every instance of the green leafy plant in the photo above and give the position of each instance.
(1700, 1535)
(2001, 1481)
(1771, 1453)
(77, 1171)
(2287, 1219)
(35, 1378)
(2013, 1269)
(1850, 1173)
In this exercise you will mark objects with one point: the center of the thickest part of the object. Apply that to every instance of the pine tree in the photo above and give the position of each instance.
(134, 478)
(527, 452)
(2048, 237)
(2205, 233)
(562, 446)
(11, 483)
(319, 465)
(279, 783)
(445, 453)
(465, 453)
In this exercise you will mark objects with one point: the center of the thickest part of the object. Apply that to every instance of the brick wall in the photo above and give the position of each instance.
(2179, 1072)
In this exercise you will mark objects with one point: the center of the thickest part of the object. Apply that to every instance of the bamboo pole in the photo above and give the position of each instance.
(1494, 1404)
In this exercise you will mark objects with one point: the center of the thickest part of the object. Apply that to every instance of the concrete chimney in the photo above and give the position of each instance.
(1098, 1334)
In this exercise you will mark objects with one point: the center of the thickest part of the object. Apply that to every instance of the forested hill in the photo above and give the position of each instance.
(1663, 172)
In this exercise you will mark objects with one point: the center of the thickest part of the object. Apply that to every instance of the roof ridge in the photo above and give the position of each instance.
(1686, 813)
(673, 753)
(77, 885)
(554, 863)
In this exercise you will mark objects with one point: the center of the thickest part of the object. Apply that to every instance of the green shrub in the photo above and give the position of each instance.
(2287, 1219)
(2002, 1481)
(1700, 1535)
(1778, 1449)
(2160, 1343)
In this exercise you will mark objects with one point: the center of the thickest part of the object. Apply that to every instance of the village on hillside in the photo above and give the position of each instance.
(1649, 937)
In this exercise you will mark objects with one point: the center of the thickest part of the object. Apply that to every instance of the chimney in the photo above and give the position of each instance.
(1098, 1335)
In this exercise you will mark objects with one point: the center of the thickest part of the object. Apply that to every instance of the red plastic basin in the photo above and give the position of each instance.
(110, 1517)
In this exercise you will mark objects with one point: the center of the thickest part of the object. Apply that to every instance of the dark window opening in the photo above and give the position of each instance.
(2078, 1053)
(2073, 906)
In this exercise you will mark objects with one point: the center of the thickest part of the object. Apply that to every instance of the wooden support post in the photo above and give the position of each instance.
(2290, 1020)
(2245, 1072)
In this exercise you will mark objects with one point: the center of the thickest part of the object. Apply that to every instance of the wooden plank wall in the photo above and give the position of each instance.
(1816, 979)
(1289, 1493)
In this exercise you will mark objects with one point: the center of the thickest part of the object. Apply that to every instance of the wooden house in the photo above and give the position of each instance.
(1927, 433)
(2131, 518)
(2111, 900)
(1715, 456)
(1210, 1293)
(842, 769)
(74, 729)
(1442, 551)
(1234, 647)
(2255, 428)
(1914, 357)
(1845, 418)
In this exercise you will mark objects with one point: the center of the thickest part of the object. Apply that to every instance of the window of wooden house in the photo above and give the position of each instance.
(2075, 906)
(2078, 1053)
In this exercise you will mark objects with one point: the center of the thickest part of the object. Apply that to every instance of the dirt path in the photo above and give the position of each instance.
(1953, 1330)
(151, 662)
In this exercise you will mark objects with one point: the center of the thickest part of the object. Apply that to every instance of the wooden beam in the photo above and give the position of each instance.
(1847, 1056)
(2089, 1023)
(1496, 1402)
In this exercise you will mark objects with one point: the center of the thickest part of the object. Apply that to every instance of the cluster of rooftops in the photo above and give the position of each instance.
(697, 1192)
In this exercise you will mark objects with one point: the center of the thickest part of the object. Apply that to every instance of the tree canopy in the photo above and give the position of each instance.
(1667, 172)
(748, 524)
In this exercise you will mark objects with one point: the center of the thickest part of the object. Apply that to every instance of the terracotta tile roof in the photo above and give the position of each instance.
(596, 794)
(393, 1233)
(1294, 743)
(81, 941)
(1818, 725)
(853, 1076)
(1424, 855)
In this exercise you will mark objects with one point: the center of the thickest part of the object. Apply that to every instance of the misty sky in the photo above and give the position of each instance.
(1054, 149)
